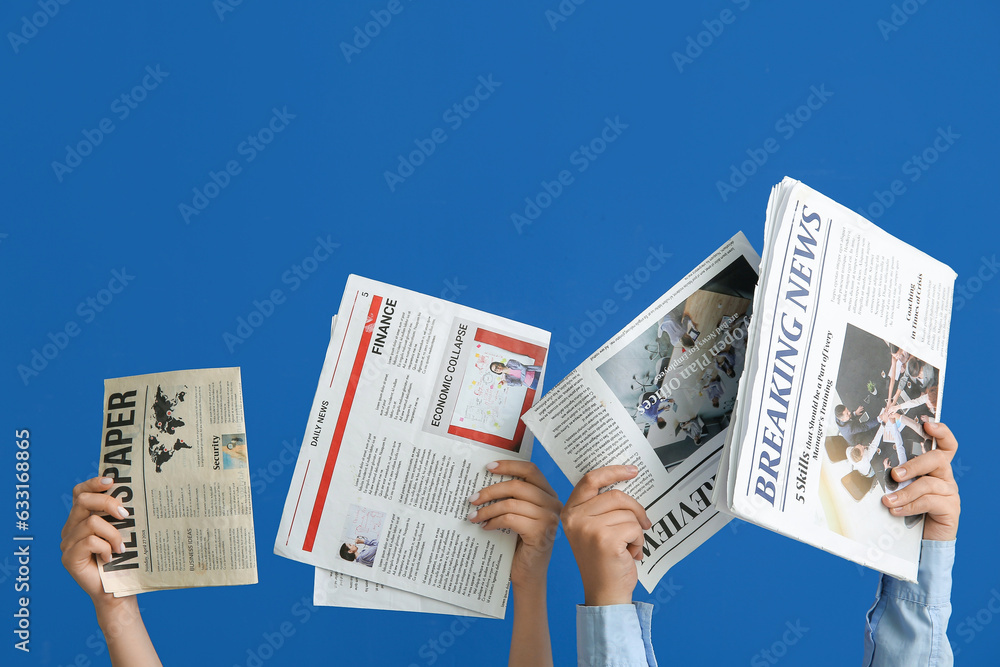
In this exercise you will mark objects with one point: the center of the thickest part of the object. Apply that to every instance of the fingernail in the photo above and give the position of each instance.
(891, 498)
(897, 510)
(474, 497)
(900, 472)
(492, 465)
(122, 512)
(631, 469)
(472, 515)
(106, 480)
(106, 558)
(121, 548)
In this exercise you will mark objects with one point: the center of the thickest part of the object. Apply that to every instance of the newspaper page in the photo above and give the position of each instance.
(334, 589)
(175, 445)
(849, 352)
(417, 395)
(659, 395)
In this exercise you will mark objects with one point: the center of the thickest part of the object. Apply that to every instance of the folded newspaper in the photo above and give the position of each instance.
(659, 395)
(846, 363)
(175, 446)
(416, 396)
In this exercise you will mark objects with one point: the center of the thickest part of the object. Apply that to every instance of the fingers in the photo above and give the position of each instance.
(618, 500)
(925, 486)
(526, 470)
(86, 503)
(509, 506)
(945, 438)
(89, 497)
(521, 525)
(92, 485)
(83, 552)
(628, 534)
(590, 485)
(94, 526)
(515, 488)
(930, 504)
(935, 462)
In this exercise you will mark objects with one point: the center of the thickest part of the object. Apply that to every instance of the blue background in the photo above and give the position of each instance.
(448, 226)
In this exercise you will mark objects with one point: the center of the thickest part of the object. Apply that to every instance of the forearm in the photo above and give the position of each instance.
(908, 623)
(529, 642)
(125, 633)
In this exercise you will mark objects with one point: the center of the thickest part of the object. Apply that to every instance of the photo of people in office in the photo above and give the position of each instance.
(678, 378)
(883, 396)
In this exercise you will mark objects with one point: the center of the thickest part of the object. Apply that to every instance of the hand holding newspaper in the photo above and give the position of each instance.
(416, 396)
(175, 446)
(659, 395)
(847, 362)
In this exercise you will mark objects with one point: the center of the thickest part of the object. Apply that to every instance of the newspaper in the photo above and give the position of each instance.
(416, 396)
(848, 360)
(659, 395)
(334, 589)
(175, 445)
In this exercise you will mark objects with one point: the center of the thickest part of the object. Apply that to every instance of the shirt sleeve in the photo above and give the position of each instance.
(614, 635)
(908, 623)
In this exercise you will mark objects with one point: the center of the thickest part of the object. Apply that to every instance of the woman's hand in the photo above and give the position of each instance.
(529, 507)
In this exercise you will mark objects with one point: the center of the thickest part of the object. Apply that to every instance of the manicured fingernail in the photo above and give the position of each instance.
(106, 480)
(122, 512)
(492, 465)
(472, 515)
(631, 469)
(474, 497)
(121, 548)
(891, 498)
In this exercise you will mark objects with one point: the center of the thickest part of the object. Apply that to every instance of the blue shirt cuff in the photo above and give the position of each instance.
(615, 635)
(933, 576)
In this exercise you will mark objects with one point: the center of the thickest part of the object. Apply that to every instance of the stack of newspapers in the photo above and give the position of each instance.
(846, 362)
(416, 396)
(174, 445)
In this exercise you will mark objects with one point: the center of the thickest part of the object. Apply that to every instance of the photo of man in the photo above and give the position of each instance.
(362, 532)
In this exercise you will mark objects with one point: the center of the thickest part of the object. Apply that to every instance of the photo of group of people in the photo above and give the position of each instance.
(884, 396)
(678, 410)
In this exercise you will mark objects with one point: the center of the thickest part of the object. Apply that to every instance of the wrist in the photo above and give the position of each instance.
(111, 610)
(601, 597)
(533, 586)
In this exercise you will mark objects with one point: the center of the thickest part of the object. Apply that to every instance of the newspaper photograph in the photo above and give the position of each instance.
(849, 356)
(417, 395)
(660, 395)
(175, 445)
